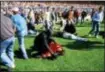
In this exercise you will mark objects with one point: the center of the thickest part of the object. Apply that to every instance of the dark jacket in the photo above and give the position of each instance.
(42, 40)
(70, 28)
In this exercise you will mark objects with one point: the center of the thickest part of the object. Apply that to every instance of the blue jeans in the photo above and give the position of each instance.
(74, 37)
(95, 28)
(22, 46)
(6, 52)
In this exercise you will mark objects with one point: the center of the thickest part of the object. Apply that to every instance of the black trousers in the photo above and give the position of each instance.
(31, 26)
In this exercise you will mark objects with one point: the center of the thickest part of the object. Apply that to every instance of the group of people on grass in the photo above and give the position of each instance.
(44, 44)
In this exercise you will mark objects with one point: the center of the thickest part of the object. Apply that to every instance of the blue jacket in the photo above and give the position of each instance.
(20, 24)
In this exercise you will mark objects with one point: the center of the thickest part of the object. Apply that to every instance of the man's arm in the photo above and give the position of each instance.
(47, 46)
(46, 43)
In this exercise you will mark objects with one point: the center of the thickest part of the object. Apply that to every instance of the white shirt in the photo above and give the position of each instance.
(47, 16)
(101, 16)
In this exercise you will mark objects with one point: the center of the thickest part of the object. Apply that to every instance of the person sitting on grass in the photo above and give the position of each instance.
(68, 29)
(46, 46)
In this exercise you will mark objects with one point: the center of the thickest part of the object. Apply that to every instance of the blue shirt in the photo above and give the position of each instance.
(20, 24)
(96, 17)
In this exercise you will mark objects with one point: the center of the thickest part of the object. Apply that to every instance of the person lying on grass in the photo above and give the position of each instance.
(46, 46)
(68, 30)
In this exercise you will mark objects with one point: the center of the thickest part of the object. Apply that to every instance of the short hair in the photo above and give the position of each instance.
(100, 8)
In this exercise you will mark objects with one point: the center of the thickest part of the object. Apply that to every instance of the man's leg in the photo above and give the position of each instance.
(22, 47)
(72, 36)
(93, 28)
(10, 52)
(97, 29)
(78, 38)
(3, 55)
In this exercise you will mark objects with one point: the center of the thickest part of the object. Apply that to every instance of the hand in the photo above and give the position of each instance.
(55, 54)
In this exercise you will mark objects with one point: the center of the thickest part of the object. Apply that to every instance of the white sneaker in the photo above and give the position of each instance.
(10, 68)
(13, 66)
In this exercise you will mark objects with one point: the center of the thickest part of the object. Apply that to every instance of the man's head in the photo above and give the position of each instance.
(48, 8)
(15, 10)
(100, 8)
(53, 9)
(72, 7)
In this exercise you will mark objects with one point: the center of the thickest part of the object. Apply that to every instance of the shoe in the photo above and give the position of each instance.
(25, 57)
(13, 66)
(10, 68)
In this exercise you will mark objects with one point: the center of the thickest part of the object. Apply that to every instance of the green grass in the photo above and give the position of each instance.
(77, 57)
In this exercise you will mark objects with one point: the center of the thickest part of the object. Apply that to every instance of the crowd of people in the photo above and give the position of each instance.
(21, 21)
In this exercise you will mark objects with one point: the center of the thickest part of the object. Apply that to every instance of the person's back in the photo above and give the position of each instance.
(6, 28)
(71, 14)
(84, 14)
(20, 24)
(40, 41)
(70, 28)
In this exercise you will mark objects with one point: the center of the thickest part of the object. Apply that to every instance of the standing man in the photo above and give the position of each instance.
(6, 42)
(96, 19)
(47, 19)
(21, 30)
(71, 14)
(76, 15)
(83, 15)
(53, 16)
